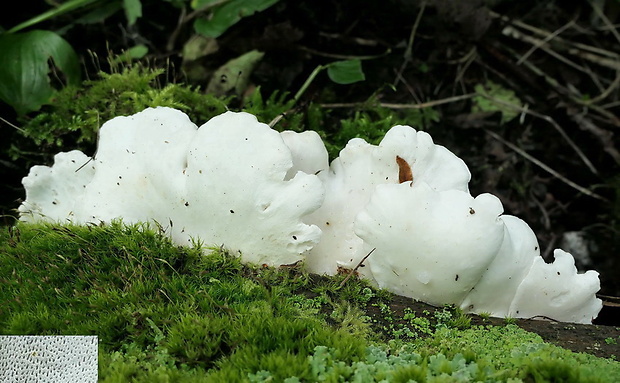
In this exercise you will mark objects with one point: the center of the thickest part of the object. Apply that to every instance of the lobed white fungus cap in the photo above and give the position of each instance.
(434, 164)
(139, 161)
(51, 192)
(224, 183)
(238, 183)
(238, 194)
(430, 245)
(308, 151)
(496, 290)
(557, 291)
(352, 178)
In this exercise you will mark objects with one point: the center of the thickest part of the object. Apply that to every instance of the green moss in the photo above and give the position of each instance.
(278, 104)
(165, 313)
(145, 297)
(372, 122)
(520, 354)
(74, 116)
(452, 317)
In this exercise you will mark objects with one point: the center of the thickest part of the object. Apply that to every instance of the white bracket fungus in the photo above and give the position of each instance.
(223, 183)
(239, 195)
(557, 291)
(430, 245)
(352, 178)
(271, 196)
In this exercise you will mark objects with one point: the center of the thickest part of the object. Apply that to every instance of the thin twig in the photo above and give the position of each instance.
(545, 167)
(466, 60)
(605, 136)
(551, 121)
(512, 32)
(175, 33)
(410, 89)
(596, 55)
(343, 56)
(550, 247)
(277, 119)
(12, 125)
(545, 41)
(545, 214)
(84, 164)
(612, 63)
(599, 12)
(356, 267)
(388, 105)
(409, 51)
(606, 92)
(543, 33)
(577, 99)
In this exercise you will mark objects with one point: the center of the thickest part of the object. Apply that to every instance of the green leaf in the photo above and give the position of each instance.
(493, 97)
(133, 10)
(234, 75)
(134, 53)
(27, 62)
(226, 15)
(346, 72)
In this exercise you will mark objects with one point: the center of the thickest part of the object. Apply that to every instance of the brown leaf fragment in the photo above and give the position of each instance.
(404, 170)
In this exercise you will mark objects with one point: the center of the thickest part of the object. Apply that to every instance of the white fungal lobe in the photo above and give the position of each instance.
(224, 183)
(423, 235)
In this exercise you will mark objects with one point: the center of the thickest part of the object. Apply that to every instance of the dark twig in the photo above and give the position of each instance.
(545, 167)
(356, 267)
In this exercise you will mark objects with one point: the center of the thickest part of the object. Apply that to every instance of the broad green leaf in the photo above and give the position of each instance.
(133, 10)
(27, 62)
(199, 46)
(227, 14)
(235, 74)
(346, 72)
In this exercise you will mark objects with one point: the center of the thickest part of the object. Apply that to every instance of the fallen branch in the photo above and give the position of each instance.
(545, 167)
(551, 121)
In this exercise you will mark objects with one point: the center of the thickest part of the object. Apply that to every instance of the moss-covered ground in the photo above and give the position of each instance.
(165, 313)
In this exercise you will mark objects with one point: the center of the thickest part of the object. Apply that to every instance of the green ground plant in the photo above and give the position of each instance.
(27, 53)
(165, 313)
(74, 115)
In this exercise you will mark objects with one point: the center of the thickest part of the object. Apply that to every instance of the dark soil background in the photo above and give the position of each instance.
(555, 165)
